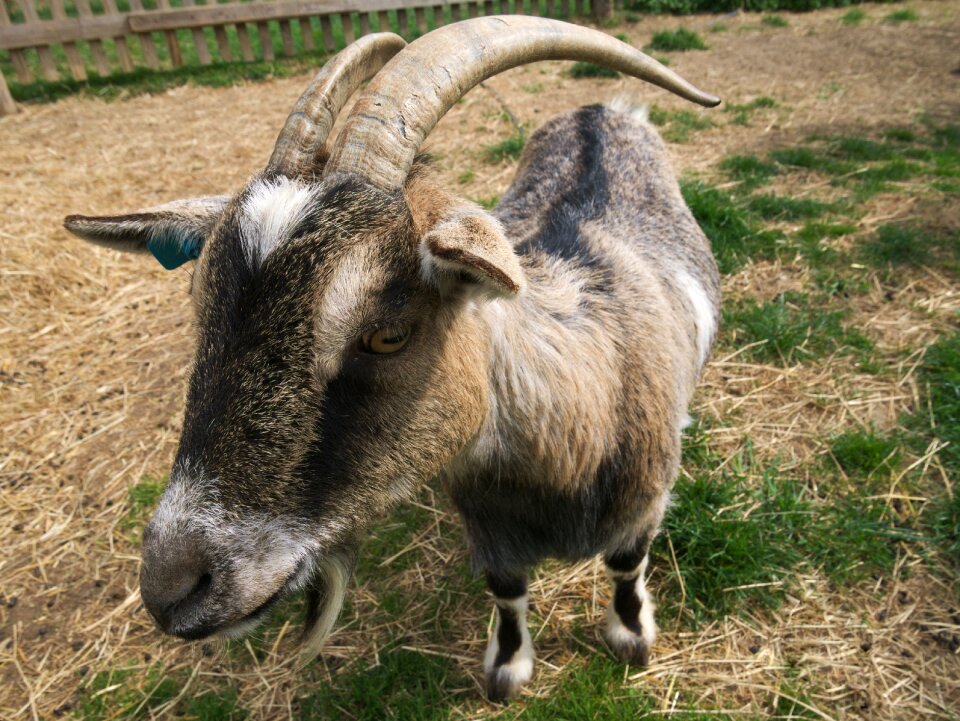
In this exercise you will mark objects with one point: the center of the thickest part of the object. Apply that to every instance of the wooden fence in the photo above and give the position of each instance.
(54, 39)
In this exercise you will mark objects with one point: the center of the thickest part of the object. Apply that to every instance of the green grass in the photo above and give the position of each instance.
(810, 159)
(852, 17)
(741, 535)
(775, 207)
(939, 417)
(509, 149)
(734, 232)
(583, 69)
(940, 377)
(901, 16)
(775, 21)
(678, 125)
(893, 245)
(133, 692)
(789, 329)
(677, 40)
(743, 111)
(403, 685)
(748, 170)
(142, 500)
(864, 454)
(389, 538)
(144, 81)
(488, 202)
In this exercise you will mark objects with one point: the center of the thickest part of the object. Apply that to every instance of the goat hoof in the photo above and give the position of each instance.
(504, 683)
(630, 648)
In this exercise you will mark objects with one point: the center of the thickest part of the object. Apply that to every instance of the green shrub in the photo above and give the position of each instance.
(508, 149)
(592, 70)
(775, 21)
(853, 17)
(901, 16)
(676, 40)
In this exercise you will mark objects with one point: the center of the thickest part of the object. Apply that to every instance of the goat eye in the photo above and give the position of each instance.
(388, 339)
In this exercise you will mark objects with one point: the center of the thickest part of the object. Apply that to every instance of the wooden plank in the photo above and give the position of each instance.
(488, 8)
(266, 41)
(223, 43)
(383, 21)
(246, 48)
(7, 106)
(77, 68)
(173, 44)
(438, 17)
(123, 51)
(96, 47)
(403, 22)
(328, 42)
(146, 39)
(286, 37)
(89, 27)
(349, 33)
(579, 8)
(364, 24)
(550, 9)
(306, 32)
(421, 20)
(565, 8)
(48, 65)
(199, 39)
(473, 8)
(255, 12)
(455, 12)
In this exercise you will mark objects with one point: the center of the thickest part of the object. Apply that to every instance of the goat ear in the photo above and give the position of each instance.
(472, 242)
(174, 232)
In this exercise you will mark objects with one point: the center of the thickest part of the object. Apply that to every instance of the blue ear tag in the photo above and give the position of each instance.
(172, 252)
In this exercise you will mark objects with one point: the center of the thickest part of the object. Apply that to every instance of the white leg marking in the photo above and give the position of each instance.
(505, 679)
(625, 643)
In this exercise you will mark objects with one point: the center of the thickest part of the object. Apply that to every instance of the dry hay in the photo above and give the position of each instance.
(96, 346)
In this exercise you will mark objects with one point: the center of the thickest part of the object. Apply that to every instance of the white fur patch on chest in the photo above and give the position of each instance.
(271, 211)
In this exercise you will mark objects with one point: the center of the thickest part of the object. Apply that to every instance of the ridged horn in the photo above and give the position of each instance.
(312, 118)
(412, 92)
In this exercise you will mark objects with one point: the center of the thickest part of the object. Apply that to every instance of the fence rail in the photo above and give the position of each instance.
(55, 39)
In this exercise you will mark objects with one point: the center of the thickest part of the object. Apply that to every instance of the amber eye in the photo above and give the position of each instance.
(388, 339)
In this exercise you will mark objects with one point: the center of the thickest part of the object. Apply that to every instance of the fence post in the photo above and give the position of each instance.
(602, 10)
(7, 106)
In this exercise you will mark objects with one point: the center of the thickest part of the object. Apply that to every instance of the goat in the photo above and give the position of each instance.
(361, 331)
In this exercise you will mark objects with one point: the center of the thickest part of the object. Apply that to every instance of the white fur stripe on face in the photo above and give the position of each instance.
(271, 210)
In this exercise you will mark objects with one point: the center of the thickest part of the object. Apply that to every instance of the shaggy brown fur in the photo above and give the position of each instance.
(552, 348)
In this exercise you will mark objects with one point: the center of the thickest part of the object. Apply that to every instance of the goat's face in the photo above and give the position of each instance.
(337, 368)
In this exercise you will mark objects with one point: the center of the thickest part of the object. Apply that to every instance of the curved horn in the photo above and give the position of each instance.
(316, 111)
(408, 97)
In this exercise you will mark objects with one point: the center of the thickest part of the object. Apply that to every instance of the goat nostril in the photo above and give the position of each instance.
(203, 584)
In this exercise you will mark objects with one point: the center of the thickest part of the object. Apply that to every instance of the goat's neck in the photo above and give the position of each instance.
(552, 379)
